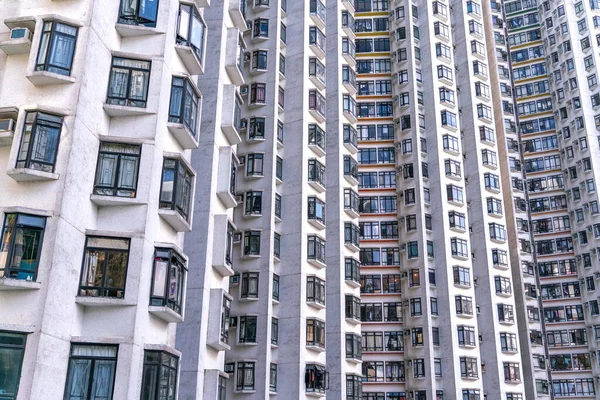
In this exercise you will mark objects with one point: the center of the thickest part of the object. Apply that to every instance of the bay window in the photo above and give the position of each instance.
(168, 282)
(21, 246)
(39, 142)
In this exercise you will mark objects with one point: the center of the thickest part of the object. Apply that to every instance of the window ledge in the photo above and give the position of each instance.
(18, 284)
(189, 59)
(42, 78)
(315, 348)
(250, 256)
(319, 225)
(219, 345)
(16, 46)
(352, 213)
(318, 150)
(353, 321)
(235, 73)
(165, 313)
(352, 283)
(244, 391)
(6, 138)
(317, 305)
(352, 247)
(223, 270)
(231, 133)
(102, 200)
(228, 200)
(202, 3)
(114, 110)
(176, 221)
(102, 302)
(126, 30)
(317, 186)
(315, 394)
(248, 300)
(247, 344)
(317, 263)
(31, 175)
(354, 360)
(183, 135)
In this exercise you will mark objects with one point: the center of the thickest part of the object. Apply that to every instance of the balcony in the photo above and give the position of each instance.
(8, 118)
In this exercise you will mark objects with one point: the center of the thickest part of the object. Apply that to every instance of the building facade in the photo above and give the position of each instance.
(99, 109)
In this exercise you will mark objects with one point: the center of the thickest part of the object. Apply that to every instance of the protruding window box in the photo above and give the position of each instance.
(168, 285)
(8, 118)
(316, 212)
(235, 51)
(316, 251)
(227, 176)
(231, 114)
(183, 135)
(20, 39)
(316, 72)
(190, 40)
(316, 105)
(350, 139)
(107, 201)
(130, 99)
(184, 112)
(176, 194)
(316, 175)
(223, 245)
(236, 12)
(18, 284)
(137, 18)
(316, 139)
(114, 110)
(317, 13)
(42, 78)
(218, 320)
(316, 42)
(349, 4)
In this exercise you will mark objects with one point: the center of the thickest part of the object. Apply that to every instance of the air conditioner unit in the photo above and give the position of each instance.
(243, 124)
(239, 198)
(237, 237)
(234, 279)
(7, 125)
(247, 57)
(229, 368)
(244, 90)
(233, 322)
(21, 33)
(242, 160)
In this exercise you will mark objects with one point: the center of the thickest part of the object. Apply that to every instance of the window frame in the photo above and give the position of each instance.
(10, 252)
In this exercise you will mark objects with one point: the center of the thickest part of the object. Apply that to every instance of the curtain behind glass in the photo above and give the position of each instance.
(104, 373)
(78, 380)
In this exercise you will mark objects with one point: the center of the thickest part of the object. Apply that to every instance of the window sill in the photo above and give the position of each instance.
(237, 16)
(352, 283)
(317, 186)
(351, 147)
(219, 346)
(114, 110)
(228, 200)
(202, 3)
(102, 302)
(352, 213)
(352, 247)
(183, 135)
(313, 347)
(351, 117)
(353, 321)
(43, 78)
(126, 30)
(317, 224)
(31, 175)
(317, 116)
(317, 263)
(351, 180)
(235, 73)
(223, 270)
(354, 360)
(318, 150)
(250, 256)
(6, 138)
(18, 284)
(314, 304)
(16, 46)
(315, 394)
(244, 391)
(231, 132)
(165, 313)
(248, 300)
(189, 59)
(175, 220)
(317, 51)
(101, 200)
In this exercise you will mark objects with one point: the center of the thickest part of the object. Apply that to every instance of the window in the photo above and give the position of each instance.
(184, 104)
(353, 346)
(278, 205)
(471, 394)
(459, 247)
(245, 376)
(12, 349)
(21, 245)
(283, 36)
(253, 203)
(91, 372)
(247, 329)
(274, 331)
(353, 387)
(254, 164)
(279, 168)
(249, 288)
(273, 378)
(437, 367)
(415, 307)
(128, 82)
(457, 220)
(419, 367)
(464, 305)
(258, 93)
(462, 276)
(138, 12)
(508, 342)
(316, 248)
(176, 187)
(417, 337)
(104, 270)
(117, 170)
(57, 48)
(168, 280)
(466, 335)
(316, 378)
(468, 367)
(39, 142)
(315, 290)
(512, 372)
(191, 30)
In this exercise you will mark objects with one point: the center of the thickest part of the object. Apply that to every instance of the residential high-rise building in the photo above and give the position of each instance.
(252, 199)
(98, 118)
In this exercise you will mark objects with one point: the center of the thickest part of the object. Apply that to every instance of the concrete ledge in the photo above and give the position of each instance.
(101, 200)
(126, 30)
(176, 221)
(31, 175)
(189, 59)
(165, 313)
(43, 78)
(183, 135)
(114, 110)
(102, 302)
(18, 284)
